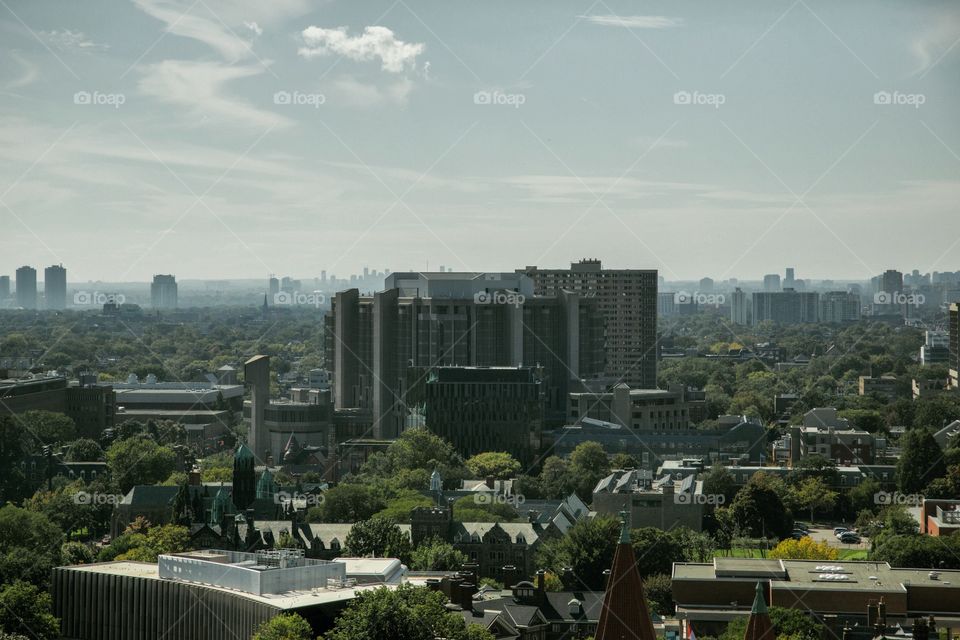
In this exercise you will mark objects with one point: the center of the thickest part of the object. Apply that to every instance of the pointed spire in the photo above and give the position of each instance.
(624, 614)
(759, 626)
(624, 527)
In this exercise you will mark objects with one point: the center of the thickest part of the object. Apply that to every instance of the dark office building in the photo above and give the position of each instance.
(4, 288)
(55, 287)
(456, 320)
(27, 287)
(92, 407)
(627, 300)
(163, 292)
(486, 409)
(954, 339)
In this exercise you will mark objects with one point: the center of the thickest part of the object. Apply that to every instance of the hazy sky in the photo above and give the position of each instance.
(237, 138)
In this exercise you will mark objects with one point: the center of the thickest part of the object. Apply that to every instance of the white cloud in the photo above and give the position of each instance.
(29, 75)
(634, 22)
(254, 27)
(352, 92)
(198, 86)
(936, 42)
(69, 40)
(186, 20)
(375, 43)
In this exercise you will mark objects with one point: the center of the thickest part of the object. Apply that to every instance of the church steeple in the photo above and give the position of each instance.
(624, 614)
(759, 626)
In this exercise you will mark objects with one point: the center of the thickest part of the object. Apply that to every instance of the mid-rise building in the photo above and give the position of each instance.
(886, 386)
(935, 349)
(954, 363)
(27, 287)
(627, 300)
(642, 410)
(4, 288)
(55, 287)
(662, 503)
(771, 282)
(738, 307)
(428, 320)
(163, 292)
(785, 307)
(839, 307)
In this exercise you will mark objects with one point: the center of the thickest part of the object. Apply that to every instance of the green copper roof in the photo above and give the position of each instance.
(243, 453)
(624, 527)
(759, 603)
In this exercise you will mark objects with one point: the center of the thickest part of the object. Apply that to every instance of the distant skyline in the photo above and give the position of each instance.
(230, 139)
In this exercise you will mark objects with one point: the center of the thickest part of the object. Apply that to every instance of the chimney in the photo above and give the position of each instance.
(606, 578)
(194, 478)
(511, 576)
(882, 611)
(465, 599)
(568, 579)
(541, 581)
(491, 484)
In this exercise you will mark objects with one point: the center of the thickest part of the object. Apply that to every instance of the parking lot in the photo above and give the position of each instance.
(826, 535)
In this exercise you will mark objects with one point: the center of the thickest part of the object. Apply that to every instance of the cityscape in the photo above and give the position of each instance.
(479, 321)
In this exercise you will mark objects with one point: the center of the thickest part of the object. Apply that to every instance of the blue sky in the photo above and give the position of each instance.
(215, 138)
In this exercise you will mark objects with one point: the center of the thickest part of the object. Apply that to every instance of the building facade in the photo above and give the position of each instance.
(839, 307)
(785, 307)
(163, 292)
(27, 287)
(627, 300)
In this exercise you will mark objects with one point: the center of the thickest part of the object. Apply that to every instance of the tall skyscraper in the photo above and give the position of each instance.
(771, 282)
(738, 307)
(163, 292)
(378, 343)
(4, 288)
(627, 299)
(954, 365)
(27, 287)
(55, 287)
(839, 307)
(789, 281)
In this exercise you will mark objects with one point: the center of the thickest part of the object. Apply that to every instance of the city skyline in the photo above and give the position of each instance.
(295, 130)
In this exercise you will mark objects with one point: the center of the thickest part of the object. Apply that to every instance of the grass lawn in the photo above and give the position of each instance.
(853, 554)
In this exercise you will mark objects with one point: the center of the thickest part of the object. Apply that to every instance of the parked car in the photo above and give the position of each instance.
(803, 526)
(838, 530)
(849, 537)
(800, 533)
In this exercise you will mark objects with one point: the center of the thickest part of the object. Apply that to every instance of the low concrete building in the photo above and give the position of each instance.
(662, 503)
(940, 517)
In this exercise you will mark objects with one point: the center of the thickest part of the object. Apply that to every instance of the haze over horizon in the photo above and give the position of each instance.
(232, 139)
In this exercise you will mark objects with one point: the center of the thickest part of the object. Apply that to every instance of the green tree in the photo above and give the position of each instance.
(139, 460)
(556, 479)
(13, 449)
(918, 551)
(286, 626)
(587, 548)
(719, 481)
(26, 610)
(146, 547)
(793, 623)
(75, 553)
(658, 590)
(377, 537)
(498, 464)
(814, 495)
(29, 545)
(758, 511)
(921, 461)
(84, 450)
(47, 427)
(436, 555)
(350, 502)
(404, 613)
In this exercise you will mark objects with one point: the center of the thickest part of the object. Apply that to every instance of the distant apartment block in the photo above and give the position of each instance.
(826, 435)
(4, 288)
(887, 386)
(627, 300)
(27, 287)
(55, 287)
(163, 292)
(785, 307)
(954, 362)
(426, 320)
(839, 307)
(935, 349)
(739, 307)
(771, 282)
